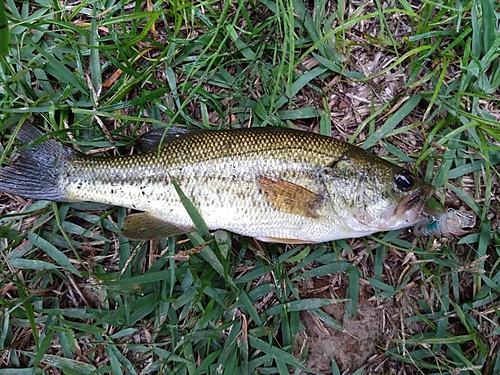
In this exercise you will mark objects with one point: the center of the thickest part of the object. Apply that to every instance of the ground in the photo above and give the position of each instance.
(415, 82)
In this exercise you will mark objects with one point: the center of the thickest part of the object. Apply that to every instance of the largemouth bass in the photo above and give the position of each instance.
(273, 184)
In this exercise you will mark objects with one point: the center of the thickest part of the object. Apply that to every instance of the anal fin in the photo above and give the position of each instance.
(290, 241)
(144, 226)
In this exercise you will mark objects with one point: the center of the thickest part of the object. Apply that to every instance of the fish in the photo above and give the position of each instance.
(273, 184)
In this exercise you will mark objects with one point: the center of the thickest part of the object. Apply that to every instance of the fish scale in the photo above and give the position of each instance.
(225, 159)
(274, 184)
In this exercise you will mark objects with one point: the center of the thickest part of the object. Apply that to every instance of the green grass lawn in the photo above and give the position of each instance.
(417, 83)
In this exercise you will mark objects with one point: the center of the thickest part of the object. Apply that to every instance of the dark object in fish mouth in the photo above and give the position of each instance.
(414, 200)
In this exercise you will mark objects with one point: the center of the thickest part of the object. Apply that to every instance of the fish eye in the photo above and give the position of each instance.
(404, 180)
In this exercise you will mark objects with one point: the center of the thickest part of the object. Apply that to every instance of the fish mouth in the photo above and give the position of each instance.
(413, 206)
(419, 197)
(414, 201)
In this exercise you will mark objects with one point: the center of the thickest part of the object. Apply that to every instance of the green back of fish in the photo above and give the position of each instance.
(222, 172)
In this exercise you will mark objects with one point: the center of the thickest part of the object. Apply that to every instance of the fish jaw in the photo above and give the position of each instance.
(408, 212)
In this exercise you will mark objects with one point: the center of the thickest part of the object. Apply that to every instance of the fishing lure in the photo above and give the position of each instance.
(450, 223)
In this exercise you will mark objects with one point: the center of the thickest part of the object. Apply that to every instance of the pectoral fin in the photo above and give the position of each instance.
(144, 226)
(289, 197)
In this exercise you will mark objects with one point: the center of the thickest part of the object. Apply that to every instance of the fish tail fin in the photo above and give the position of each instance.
(36, 170)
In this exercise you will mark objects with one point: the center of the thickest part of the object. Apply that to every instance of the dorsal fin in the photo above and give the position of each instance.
(150, 141)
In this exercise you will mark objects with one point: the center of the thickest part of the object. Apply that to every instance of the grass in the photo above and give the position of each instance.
(418, 86)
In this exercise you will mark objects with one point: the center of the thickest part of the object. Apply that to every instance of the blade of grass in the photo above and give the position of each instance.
(57, 255)
(392, 122)
(4, 31)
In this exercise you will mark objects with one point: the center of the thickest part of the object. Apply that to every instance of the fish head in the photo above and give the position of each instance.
(378, 195)
(405, 197)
